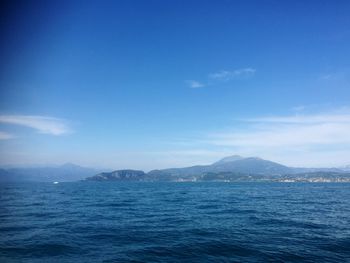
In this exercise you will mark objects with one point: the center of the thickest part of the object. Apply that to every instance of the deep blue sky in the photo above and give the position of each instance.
(147, 84)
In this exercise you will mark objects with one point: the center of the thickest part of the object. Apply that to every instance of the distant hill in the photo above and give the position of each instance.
(64, 173)
(119, 175)
(345, 168)
(251, 165)
(233, 164)
(228, 159)
(231, 168)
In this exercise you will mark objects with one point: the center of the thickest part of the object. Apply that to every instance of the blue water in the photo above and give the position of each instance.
(174, 222)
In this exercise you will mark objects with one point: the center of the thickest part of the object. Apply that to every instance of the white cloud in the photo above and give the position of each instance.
(305, 119)
(301, 140)
(287, 135)
(194, 84)
(223, 75)
(298, 108)
(226, 75)
(42, 124)
(326, 76)
(279, 131)
(5, 136)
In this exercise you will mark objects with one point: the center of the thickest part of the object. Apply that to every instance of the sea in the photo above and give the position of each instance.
(174, 222)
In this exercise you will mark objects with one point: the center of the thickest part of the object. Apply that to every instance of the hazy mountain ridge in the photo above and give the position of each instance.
(231, 168)
(66, 172)
(118, 175)
(234, 163)
(234, 168)
(228, 159)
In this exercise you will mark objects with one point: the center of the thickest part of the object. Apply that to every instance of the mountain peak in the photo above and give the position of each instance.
(229, 159)
(69, 165)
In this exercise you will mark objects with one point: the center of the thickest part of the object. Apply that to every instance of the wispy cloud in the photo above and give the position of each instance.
(321, 139)
(43, 124)
(335, 76)
(194, 84)
(295, 130)
(5, 136)
(298, 108)
(326, 76)
(287, 135)
(226, 75)
(304, 119)
(222, 76)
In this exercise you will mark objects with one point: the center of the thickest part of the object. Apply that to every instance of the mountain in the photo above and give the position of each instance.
(119, 175)
(228, 159)
(250, 165)
(66, 172)
(231, 168)
(233, 164)
(345, 168)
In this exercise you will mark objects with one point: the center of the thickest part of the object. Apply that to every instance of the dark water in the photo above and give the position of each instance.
(174, 222)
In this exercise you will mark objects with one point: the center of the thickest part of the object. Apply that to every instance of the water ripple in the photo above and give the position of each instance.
(174, 222)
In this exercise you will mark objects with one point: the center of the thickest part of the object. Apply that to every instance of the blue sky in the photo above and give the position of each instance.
(153, 84)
